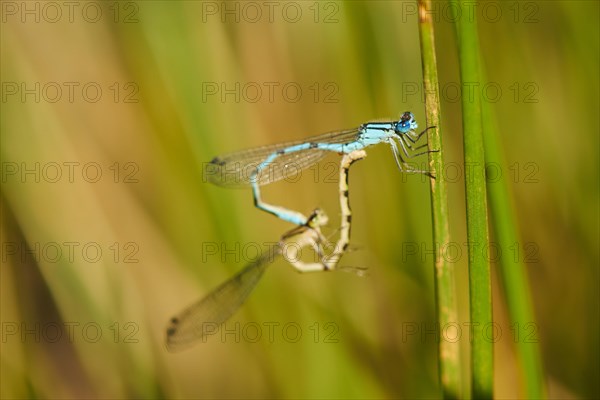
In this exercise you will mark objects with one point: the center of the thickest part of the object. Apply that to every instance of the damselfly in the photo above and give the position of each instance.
(204, 317)
(268, 164)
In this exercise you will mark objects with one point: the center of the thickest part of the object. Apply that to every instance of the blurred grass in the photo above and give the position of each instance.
(369, 53)
(516, 285)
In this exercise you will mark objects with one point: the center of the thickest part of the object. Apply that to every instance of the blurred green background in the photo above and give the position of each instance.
(110, 110)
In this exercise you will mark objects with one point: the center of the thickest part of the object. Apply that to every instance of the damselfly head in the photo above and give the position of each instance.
(317, 219)
(407, 123)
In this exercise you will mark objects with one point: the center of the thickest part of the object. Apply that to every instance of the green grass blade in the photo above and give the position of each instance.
(516, 285)
(448, 351)
(482, 351)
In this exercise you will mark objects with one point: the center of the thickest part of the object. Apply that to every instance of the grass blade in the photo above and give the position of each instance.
(482, 350)
(512, 269)
(448, 351)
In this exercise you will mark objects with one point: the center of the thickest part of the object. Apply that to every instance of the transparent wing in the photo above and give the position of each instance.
(205, 316)
(235, 169)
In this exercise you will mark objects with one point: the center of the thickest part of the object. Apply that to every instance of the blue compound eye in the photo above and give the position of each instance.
(407, 122)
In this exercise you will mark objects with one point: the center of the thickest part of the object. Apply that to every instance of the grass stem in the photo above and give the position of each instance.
(482, 350)
(448, 351)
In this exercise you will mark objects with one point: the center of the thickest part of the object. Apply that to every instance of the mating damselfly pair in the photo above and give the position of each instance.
(267, 164)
